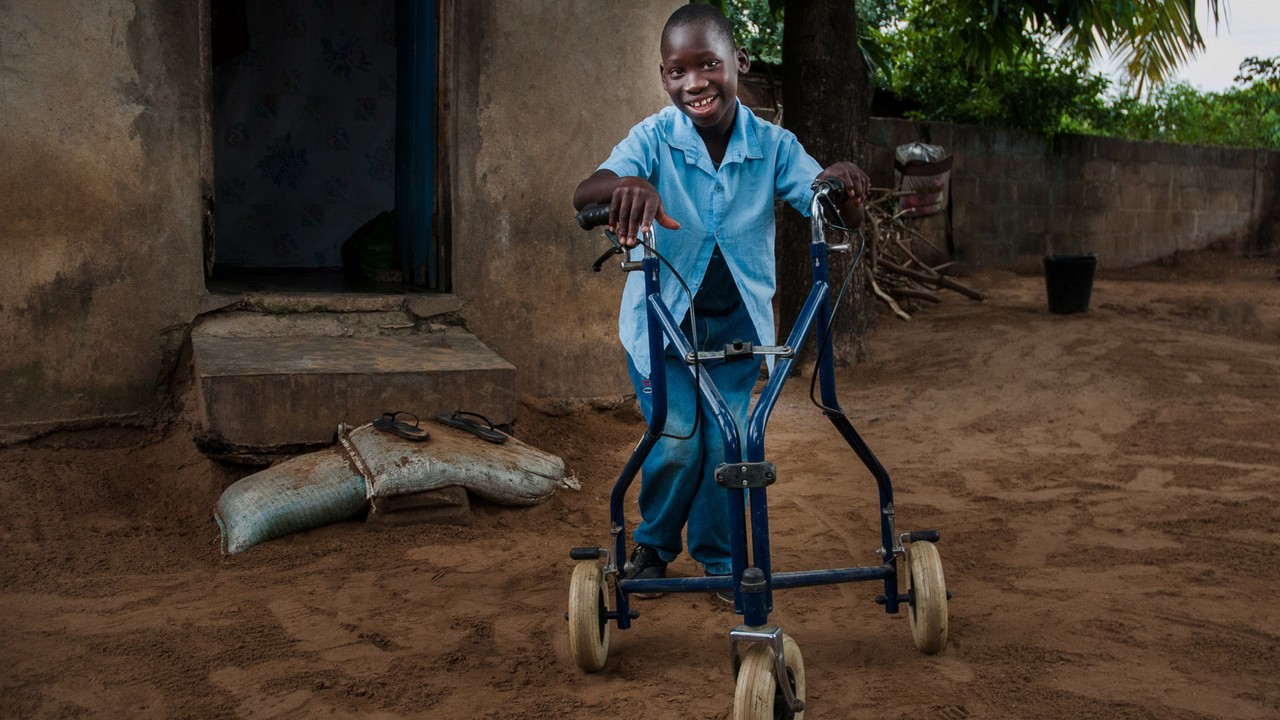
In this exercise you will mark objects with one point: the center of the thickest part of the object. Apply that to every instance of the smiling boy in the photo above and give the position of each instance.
(707, 171)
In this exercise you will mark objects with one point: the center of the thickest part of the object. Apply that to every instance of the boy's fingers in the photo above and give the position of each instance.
(666, 220)
(857, 186)
(646, 222)
(631, 216)
(636, 220)
(613, 213)
(620, 215)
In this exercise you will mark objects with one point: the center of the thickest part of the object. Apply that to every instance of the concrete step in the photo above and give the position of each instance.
(277, 381)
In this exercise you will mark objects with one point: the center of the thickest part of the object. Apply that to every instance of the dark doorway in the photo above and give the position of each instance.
(324, 145)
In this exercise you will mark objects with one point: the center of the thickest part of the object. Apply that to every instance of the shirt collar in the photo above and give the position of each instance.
(744, 142)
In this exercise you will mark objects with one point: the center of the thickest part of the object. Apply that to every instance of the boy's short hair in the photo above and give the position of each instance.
(700, 14)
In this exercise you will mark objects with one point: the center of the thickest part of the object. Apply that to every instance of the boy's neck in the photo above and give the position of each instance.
(717, 139)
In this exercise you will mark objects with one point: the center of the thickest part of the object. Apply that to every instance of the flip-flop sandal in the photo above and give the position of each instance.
(389, 423)
(485, 432)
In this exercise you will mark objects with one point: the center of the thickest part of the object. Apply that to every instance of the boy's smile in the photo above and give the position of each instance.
(704, 107)
(700, 72)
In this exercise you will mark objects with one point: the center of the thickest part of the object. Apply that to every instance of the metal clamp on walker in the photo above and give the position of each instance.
(746, 474)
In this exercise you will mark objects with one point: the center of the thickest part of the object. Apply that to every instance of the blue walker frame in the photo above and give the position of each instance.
(754, 599)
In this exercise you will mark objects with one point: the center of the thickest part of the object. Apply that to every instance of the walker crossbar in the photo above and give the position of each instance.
(781, 580)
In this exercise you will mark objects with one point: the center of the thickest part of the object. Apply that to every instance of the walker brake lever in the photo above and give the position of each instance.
(600, 261)
(617, 249)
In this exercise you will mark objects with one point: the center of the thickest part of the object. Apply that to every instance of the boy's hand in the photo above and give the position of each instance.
(633, 207)
(857, 186)
(856, 182)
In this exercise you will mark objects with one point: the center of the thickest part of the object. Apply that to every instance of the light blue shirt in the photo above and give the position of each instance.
(731, 206)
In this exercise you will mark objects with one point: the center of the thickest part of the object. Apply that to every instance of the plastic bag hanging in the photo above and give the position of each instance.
(923, 173)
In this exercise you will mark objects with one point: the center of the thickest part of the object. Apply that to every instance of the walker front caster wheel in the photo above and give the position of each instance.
(588, 616)
(928, 607)
(758, 695)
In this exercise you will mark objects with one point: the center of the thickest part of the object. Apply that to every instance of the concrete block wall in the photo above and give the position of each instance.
(1016, 196)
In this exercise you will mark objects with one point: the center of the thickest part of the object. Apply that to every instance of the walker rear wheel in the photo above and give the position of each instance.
(928, 607)
(758, 695)
(588, 616)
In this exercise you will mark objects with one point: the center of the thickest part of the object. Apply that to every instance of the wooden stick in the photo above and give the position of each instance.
(917, 275)
(935, 279)
(893, 304)
(923, 239)
(908, 292)
(948, 283)
(907, 250)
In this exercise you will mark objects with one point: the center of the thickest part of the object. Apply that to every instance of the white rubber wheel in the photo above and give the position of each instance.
(758, 696)
(588, 619)
(928, 609)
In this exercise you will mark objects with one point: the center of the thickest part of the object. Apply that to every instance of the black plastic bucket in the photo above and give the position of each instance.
(1069, 281)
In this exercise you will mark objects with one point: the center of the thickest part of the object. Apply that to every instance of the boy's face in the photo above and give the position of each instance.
(700, 72)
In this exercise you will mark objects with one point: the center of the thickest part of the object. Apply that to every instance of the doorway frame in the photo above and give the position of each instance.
(420, 190)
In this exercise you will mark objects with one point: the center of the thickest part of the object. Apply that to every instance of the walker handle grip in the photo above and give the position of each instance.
(593, 215)
(922, 536)
(833, 187)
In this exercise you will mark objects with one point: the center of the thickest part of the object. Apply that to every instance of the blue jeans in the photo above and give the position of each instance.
(678, 484)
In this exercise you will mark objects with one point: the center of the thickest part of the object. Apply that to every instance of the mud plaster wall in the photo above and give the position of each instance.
(542, 92)
(1016, 196)
(100, 198)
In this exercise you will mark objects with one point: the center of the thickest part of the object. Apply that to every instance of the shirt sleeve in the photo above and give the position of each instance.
(637, 154)
(796, 171)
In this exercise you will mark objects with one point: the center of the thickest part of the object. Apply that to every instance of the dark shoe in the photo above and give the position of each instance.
(389, 423)
(725, 596)
(645, 564)
(487, 431)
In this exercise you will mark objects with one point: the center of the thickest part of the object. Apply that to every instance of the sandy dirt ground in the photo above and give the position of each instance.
(1107, 486)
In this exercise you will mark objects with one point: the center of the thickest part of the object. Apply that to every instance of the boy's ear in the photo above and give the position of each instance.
(744, 60)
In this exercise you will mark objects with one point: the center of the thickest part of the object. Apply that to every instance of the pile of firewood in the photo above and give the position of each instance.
(894, 272)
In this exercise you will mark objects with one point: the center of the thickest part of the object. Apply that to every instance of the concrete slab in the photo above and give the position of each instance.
(312, 324)
(261, 394)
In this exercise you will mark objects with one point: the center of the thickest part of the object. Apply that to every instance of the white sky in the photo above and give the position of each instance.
(1248, 27)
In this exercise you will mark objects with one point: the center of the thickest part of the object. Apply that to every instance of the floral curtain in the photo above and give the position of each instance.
(304, 121)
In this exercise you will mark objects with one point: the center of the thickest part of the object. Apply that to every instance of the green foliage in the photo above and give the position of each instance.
(1032, 87)
(1023, 64)
(1151, 37)
(1052, 91)
(758, 26)
(1244, 115)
